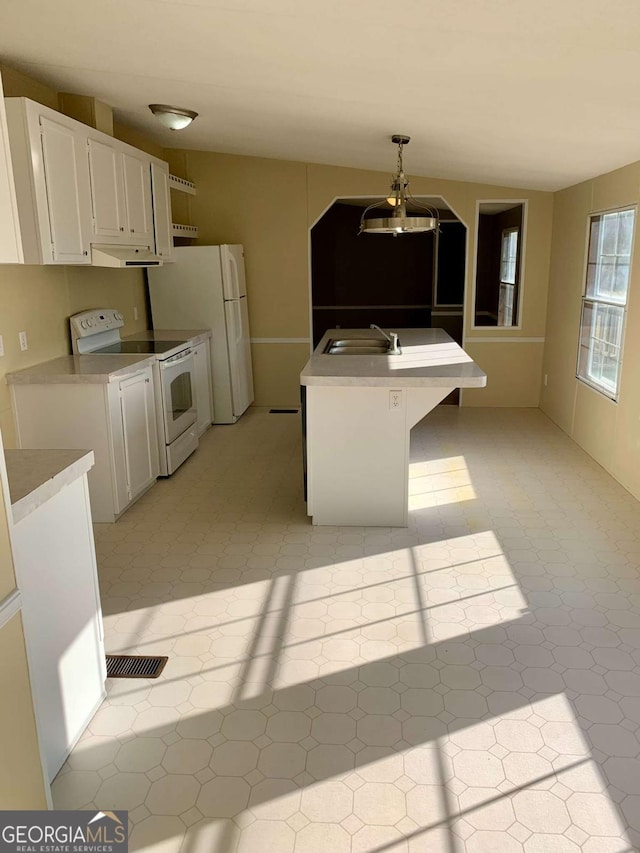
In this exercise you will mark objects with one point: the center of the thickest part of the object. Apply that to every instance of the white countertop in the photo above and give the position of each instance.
(85, 369)
(430, 357)
(197, 336)
(35, 476)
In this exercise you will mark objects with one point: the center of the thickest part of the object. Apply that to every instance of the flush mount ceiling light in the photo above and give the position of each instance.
(398, 222)
(175, 118)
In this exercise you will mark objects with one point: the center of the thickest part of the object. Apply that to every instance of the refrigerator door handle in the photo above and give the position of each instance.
(233, 276)
(234, 284)
(239, 348)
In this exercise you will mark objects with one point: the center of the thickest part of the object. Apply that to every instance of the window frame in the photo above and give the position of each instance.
(515, 284)
(596, 301)
(501, 333)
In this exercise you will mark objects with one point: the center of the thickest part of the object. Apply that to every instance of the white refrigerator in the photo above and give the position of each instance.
(205, 288)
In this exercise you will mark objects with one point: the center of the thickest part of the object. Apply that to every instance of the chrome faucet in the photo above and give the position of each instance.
(394, 348)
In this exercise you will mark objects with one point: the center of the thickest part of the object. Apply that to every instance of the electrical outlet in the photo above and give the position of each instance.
(135, 313)
(1, 347)
(22, 337)
(395, 399)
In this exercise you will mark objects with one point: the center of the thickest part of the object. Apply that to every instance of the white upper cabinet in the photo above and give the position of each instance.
(65, 178)
(121, 194)
(137, 191)
(65, 187)
(50, 168)
(10, 241)
(107, 190)
(162, 210)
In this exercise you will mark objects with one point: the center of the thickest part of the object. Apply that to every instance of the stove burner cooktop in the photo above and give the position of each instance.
(144, 347)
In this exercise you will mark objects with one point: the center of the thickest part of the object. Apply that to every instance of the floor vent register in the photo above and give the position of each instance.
(134, 666)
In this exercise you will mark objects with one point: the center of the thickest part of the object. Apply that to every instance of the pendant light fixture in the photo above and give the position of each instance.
(398, 221)
(175, 118)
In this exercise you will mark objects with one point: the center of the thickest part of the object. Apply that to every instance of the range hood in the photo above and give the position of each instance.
(124, 256)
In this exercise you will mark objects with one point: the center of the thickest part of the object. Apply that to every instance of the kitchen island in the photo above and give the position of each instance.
(358, 416)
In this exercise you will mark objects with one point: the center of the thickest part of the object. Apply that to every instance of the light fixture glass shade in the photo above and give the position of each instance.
(174, 118)
(399, 221)
(400, 225)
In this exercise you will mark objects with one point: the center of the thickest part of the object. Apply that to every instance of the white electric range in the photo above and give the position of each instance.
(98, 332)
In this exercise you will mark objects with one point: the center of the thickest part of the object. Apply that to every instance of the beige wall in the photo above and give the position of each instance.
(17, 85)
(137, 139)
(609, 431)
(269, 206)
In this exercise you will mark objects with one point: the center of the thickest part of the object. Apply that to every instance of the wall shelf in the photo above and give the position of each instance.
(182, 185)
(189, 231)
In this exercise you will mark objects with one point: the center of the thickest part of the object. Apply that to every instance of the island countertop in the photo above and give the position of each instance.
(36, 475)
(429, 358)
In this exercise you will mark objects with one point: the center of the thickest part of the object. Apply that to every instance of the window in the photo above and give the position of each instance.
(508, 279)
(499, 262)
(605, 300)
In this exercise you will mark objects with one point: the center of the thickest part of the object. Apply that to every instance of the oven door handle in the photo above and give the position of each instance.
(173, 362)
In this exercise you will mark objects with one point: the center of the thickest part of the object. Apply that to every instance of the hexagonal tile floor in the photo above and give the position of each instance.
(470, 684)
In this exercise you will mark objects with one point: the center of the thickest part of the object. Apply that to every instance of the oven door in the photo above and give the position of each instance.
(178, 397)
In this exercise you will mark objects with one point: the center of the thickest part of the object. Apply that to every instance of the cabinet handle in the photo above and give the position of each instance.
(122, 227)
(133, 230)
(85, 253)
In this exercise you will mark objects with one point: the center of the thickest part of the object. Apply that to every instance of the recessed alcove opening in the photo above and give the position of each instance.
(408, 281)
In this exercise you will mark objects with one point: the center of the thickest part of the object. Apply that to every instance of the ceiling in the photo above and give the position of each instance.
(537, 94)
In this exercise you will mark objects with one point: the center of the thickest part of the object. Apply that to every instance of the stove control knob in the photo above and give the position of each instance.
(90, 323)
(84, 324)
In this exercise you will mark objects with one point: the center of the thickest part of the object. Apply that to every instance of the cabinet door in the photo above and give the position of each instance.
(137, 188)
(162, 212)
(107, 190)
(10, 240)
(139, 431)
(68, 197)
(202, 375)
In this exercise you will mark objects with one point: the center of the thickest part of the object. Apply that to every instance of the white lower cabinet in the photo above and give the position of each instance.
(139, 432)
(56, 572)
(202, 372)
(115, 419)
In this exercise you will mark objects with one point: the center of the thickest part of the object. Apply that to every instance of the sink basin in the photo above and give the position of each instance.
(356, 351)
(358, 342)
(357, 346)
